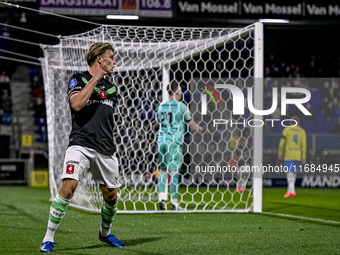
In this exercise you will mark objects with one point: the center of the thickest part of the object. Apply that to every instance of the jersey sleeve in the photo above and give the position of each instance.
(186, 113)
(75, 85)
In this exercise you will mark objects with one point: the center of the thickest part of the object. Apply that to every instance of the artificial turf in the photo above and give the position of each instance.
(24, 214)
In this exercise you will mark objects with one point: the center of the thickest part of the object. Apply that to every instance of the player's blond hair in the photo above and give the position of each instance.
(96, 49)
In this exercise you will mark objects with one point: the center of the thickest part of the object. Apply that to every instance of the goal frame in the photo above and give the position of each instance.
(258, 103)
(258, 133)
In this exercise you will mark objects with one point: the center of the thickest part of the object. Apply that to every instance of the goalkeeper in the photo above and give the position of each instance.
(92, 99)
(294, 145)
(172, 116)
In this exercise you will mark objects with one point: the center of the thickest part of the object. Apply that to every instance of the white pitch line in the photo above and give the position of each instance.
(301, 217)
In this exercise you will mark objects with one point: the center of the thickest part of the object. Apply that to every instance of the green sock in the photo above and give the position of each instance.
(174, 185)
(108, 213)
(57, 212)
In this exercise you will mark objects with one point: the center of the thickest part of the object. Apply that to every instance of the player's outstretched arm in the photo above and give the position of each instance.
(194, 126)
(79, 100)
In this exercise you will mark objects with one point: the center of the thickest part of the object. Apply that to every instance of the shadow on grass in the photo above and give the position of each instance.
(128, 243)
(17, 212)
(134, 242)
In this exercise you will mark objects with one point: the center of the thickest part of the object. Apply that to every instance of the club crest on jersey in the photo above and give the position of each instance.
(73, 83)
(102, 94)
(70, 168)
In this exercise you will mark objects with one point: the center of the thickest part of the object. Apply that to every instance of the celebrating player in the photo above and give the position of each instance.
(91, 147)
(294, 144)
(172, 116)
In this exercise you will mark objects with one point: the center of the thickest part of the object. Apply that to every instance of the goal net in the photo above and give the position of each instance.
(148, 59)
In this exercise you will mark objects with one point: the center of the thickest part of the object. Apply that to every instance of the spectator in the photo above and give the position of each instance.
(335, 102)
(337, 127)
(270, 61)
(312, 69)
(39, 108)
(296, 73)
(34, 71)
(331, 93)
(288, 72)
(324, 105)
(311, 110)
(337, 110)
(266, 72)
(330, 113)
(4, 78)
(36, 82)
(6, 102)
(276, 73)
(325, 89)
(37, 91)
(336, 89)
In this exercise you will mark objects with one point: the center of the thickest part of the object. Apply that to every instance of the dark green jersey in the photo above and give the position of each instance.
(93, 125)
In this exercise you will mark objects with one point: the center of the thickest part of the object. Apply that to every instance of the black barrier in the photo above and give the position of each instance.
(14, 171)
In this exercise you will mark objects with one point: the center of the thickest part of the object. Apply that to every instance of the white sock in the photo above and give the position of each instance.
(108, 213)
(57, 212)
(49, 236)
(174, 201)
(162, 196)
(291, 182)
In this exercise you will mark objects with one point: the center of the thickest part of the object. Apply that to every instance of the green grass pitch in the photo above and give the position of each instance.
(24, 215)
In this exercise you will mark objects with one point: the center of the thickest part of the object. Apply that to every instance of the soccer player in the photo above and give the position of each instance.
(92, 99)
(172, 116)
(294, 145)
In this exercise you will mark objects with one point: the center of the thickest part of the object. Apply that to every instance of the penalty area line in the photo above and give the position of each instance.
(302, 217)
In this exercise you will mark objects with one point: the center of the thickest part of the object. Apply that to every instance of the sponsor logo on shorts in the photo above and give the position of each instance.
(70, 168)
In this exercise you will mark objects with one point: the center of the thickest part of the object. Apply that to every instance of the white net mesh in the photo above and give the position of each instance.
(147, 59)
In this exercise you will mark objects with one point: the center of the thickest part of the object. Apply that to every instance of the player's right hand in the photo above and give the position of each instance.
(98, 73)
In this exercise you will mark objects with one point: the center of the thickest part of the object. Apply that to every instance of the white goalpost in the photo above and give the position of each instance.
(148, 59)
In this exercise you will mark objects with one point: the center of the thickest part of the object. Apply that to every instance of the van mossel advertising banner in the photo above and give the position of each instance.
(258, 9)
